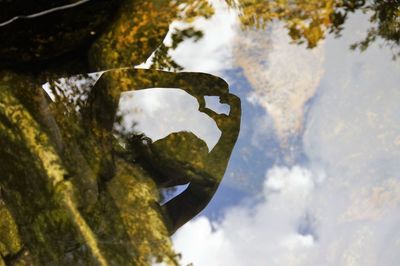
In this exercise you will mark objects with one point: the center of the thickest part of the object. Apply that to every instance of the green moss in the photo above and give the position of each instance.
(10, 242)
(70, 196)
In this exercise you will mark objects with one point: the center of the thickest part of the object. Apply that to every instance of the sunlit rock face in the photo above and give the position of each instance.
(283, 76)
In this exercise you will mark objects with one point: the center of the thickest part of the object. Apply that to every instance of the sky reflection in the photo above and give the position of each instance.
(313, 179)
(314, 176)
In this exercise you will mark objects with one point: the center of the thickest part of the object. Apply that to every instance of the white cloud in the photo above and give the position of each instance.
(159, 112)
(351, 132)
(301, 219)
(202, 245)
(264, 232)
(349, 216)
(213, 52)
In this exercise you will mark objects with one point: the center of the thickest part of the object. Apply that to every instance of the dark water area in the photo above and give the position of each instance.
(199, 132)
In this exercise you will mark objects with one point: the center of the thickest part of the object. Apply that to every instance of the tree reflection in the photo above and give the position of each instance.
(309, 21)
(89, 196)
(180, 158)
(73, 192)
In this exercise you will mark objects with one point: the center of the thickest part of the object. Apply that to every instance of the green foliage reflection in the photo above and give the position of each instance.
(73, 191)
(309, 21)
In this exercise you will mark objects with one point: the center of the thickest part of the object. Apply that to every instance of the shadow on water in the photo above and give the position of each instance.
(74, 191)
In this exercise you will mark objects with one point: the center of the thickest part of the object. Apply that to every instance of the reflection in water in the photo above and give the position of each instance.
(83, 176)
(77, 190)
(308, 21)
(150, 112)
(278, 85)
(346, 214)
(73, 191)
(173, 158)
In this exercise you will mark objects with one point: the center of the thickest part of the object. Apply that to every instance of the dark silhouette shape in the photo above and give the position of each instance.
(70, 194)
(170, 161)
